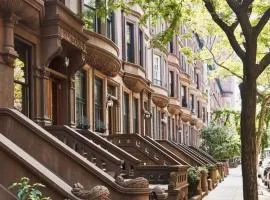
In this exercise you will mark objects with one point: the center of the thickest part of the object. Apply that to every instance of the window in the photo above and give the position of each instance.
(141, 48)
(21, 78)
(111, 90)
(135, 116)
(192, 103)
(204, 114)
(169, 129)
(198, 109)
(98, 101)
(130, 42)
(157, 70)
(171, 46)
(110, 27)
(73, 5)
(126, 113)
(198, 80)
(80, 89)
(171, 84)
(184, 96)
(92, 22)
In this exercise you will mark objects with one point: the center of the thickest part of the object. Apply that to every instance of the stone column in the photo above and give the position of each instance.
(7, 58)
(42, 91)
(204, 183)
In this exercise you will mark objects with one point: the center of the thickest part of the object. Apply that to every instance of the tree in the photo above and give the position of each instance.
(218, 141)
(245, 25)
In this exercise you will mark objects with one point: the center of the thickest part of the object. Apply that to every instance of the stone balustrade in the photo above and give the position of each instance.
(129, 161)
(87, 148)
(142, 149)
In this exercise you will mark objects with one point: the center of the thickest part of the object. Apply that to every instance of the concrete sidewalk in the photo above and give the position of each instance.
(231, 188)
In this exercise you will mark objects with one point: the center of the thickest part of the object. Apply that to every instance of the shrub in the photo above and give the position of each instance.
(193, 180)
(25, 191)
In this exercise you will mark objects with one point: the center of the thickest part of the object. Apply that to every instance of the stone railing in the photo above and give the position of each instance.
(87, 148)
(195, 154)
(60, 159)
(166, 151)
(142, 149)
(173, 147)
(129, 161)
(14, 159)
(204, 154)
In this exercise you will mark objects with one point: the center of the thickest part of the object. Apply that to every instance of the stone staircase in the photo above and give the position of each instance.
(182, 153)
(16, 163)
(158, 166)
(63, 161)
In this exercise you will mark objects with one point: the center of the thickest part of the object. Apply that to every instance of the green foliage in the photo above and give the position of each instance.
(227, 117)
(193, 180)
(26, 191)
(218, 141)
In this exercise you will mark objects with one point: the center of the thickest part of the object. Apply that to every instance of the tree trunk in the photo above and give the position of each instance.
(248, 136)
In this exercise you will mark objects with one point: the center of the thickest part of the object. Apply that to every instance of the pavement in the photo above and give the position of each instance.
(232, 188)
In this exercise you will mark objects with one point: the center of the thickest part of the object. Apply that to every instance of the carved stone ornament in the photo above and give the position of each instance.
(139, 182)
(98, 192)
(72, 38)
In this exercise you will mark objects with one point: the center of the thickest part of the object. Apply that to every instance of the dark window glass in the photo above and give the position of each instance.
(197, 80)
(184, 96)
(80, 88)
(171, 84)
(98, 100)
(169, 129)
(141, 47)
(126, 113)
(135, 116)
(198, 109)
(171, 46)
(192, 103)
(130, 42)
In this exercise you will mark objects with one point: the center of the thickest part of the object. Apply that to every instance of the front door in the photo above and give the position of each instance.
(53, 98)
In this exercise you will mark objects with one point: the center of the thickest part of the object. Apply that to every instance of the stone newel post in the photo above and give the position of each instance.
(7, 58)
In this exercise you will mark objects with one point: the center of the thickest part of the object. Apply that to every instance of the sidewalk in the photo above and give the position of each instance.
(232, 188)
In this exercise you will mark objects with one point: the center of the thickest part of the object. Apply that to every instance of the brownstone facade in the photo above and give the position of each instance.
(101, 76)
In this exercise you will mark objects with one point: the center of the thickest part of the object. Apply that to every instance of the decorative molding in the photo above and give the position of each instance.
(72, 38)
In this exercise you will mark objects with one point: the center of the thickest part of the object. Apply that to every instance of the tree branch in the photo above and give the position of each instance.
(229, 31)
(222, 66)
(265, 61)
(261, 24)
